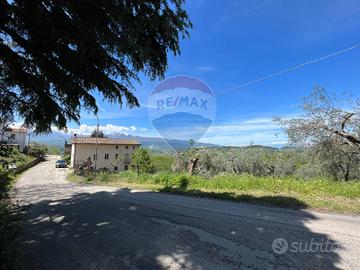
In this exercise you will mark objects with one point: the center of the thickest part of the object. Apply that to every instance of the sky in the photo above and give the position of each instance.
(235, 42)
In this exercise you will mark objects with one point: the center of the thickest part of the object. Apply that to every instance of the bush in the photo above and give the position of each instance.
(162, 178)
(171, 180)
(67, 158)
(103, 177)
(89, 177)
(181, 181)
(141, 162)
(162, 163)
(38, 150)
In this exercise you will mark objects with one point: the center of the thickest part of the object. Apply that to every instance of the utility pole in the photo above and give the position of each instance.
(29, 141)
(97, 141)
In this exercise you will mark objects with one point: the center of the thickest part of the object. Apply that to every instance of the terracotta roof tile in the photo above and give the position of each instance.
(22, 130)
(90, 140)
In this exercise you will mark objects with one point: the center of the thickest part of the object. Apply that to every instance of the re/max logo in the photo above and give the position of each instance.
(185, 101)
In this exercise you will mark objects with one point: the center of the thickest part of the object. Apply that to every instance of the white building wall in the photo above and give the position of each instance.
(81, 152)
(19, 138)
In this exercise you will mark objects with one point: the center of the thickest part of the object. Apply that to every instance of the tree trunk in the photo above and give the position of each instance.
(192, 165)
(347, 172)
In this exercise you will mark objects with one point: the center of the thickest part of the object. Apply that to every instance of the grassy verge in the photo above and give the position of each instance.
(17, 158)
(10, 214)
(10, 224)
(321, 194)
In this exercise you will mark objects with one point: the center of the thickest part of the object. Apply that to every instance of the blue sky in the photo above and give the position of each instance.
(234, 42)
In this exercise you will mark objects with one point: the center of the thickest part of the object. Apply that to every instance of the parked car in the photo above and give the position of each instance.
(60, 164)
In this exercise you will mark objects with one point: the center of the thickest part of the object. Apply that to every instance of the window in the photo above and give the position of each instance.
(94, 157)
(115, 168)
(126, 167)
(116, 156)
(133, 147)
(126, 157)
(12, 136)
(127, 147)
(117, 147)
(106, 156)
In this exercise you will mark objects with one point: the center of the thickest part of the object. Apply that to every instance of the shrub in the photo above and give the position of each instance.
(103, 177)
(180, 181)
(141, 162)
(89, 177)
(38, 150)
(163, 178)
(67, 158)
(162, 163)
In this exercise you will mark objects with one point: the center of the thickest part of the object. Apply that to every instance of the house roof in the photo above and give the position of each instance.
(20, 130)
(90, 140)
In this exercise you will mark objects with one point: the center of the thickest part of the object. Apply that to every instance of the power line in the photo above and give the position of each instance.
(289, 69)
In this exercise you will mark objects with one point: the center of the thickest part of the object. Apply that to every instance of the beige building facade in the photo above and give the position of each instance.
(111, 154)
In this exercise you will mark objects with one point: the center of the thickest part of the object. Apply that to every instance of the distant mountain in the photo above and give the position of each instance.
(181, 126)
(154, 143)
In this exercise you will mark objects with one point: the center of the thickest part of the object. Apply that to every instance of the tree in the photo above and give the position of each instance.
(332, 128)
(6, 118)
(141, 161)
(325, 119)
(97, 134)
(55, 55)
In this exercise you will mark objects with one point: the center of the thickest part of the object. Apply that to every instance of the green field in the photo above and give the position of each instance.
(320, 194)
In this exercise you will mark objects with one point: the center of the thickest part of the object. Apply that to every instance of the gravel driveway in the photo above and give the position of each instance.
(71, 226)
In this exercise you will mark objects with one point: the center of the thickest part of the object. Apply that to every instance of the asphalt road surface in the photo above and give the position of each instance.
(71, 226)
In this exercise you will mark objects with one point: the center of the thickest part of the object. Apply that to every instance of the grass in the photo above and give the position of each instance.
(17, 158)
(321, 194)
(10, 214)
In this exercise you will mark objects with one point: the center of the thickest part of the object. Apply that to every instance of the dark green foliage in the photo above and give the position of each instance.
(141, 161)
(55, 54)
(67, 159)
(180, 181)
(97, 134)
(13, 156)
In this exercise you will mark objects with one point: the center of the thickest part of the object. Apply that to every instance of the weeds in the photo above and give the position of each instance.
(280, 191)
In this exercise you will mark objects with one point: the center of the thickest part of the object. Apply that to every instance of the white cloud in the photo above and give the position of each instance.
(107, 129)
(246, 11)
(279, 142)
(259, 121)
(257, 130)
(255, 124)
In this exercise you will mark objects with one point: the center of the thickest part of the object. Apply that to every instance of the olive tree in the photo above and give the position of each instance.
(331, 126)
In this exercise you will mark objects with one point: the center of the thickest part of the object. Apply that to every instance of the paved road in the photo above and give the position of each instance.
(71, 226)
